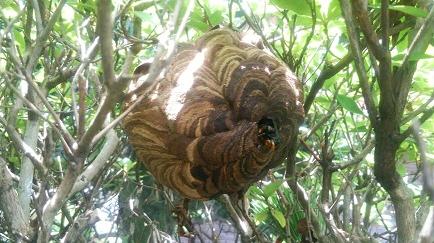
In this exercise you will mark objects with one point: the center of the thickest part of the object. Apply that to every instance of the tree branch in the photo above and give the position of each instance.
(404, 75)
(9, 204)
(42, 37)
(425, 116)
(325, 74)
(23, 146)
(10, 25)
(356, 159)
(358, 61)
(360, 11)
(98, 164)
(105, 32)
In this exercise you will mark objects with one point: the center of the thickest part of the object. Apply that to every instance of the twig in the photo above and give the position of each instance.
(65, 134)
(38, 18)
(10, 25)
(338, 234)
(358, 61)
(162, 58)
(356, 159)
(114, 89)
(428, 168)
(43, 36)
(309, 37)
(325, 74)
(257, 29)
(20, 144)
(241, 224)
(34, 109)
(78, 77)
(105, 32)
(97, 165)
(425, 116)
(427, 232)
(312, 152)
(79, 225)
(422, 108)
(404, 75)
(360, 8)
(385, 24)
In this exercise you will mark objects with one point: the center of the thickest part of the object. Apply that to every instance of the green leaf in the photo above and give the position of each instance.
(300, 7)
(349, 104)
(278, 215)
(255, 193)
(417, 56)
(400, 168)
(334, 10)
(362, 128)
(410, 10)
(144, 16)
(197, 22)
(261, 216)
(272, 187)
(398, 57)
(19, 39)
(198, 25)
(142, 5)
(216, 18)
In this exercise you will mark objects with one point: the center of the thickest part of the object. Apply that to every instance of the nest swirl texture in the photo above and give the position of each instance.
(223, 114)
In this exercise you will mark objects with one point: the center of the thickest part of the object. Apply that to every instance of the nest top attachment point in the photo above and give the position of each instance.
(222, 115)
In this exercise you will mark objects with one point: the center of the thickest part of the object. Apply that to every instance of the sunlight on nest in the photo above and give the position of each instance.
(183, 85)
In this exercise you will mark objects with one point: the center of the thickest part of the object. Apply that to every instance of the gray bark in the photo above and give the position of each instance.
(10, 205)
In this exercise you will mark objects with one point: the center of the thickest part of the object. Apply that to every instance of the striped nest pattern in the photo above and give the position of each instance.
(223, 114)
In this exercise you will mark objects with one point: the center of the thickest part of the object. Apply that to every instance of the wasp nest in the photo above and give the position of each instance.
(223, 114)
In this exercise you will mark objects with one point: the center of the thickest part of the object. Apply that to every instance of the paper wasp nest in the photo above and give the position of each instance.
(221, 117)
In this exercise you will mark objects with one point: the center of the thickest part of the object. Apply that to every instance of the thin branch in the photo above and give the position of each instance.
(311, 151)
(356, 159)
(385, 24)
(65, 134)
(404, 75)
(38, 18)
(427, 231)
(387, 103)
(43, 36)
(428, 168)
(10, 25)
(425, 116)
(325, 74)
(50, 209)
(34, 109)
(97, 165)
(241, 224)
(360, 8)
(421, 39)
(338, 234)
(59, 123)
(60, 77)
(20, 144)
(162, 58)
(81, 106)
(105, 32)
(309, 37)
(358, 61)
(257, 30)
(422, 108)
(84, 62)
(81, 222)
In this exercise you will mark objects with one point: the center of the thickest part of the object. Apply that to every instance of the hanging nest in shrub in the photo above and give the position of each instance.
(225, 113)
